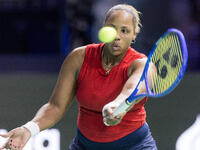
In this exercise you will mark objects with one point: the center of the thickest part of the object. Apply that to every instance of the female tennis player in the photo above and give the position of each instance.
(101, 76)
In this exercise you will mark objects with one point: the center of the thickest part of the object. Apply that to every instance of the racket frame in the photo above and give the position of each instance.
(183, 66)
(126, 103)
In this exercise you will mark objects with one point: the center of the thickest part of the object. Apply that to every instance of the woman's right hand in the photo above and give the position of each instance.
(17, 138)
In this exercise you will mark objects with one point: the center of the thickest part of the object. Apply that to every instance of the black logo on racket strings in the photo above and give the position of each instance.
(173, 61)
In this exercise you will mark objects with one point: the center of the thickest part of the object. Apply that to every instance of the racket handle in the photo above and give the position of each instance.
(122, 107)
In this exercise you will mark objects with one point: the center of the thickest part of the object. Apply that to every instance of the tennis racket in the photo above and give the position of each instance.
(169, 56)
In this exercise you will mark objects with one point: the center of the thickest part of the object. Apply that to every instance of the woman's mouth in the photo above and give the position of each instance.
(116, 47)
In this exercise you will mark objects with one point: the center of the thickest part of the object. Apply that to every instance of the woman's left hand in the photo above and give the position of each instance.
(108, 114)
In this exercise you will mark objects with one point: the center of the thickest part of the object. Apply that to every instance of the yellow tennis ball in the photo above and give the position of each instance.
(107, 34)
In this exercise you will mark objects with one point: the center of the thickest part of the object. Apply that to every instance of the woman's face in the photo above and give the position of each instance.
(122, 21)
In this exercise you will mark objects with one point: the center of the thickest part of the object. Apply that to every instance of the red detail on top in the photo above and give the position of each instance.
(95, 88)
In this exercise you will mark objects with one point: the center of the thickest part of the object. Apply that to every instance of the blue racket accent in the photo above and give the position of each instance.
(169, 58)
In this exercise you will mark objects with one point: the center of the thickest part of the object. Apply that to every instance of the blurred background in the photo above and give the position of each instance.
(36, 35)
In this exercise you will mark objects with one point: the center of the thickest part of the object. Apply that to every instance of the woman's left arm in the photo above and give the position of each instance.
(134, 73)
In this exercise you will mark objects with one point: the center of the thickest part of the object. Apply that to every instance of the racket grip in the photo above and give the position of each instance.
(122, 108)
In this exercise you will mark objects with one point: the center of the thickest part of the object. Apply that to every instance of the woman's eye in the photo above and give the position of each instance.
(124, 31)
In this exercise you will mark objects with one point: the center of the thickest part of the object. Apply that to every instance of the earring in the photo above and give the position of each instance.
(133, 41)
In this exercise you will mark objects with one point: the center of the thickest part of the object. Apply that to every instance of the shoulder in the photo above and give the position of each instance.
(81, 51)
(93, 49)
(75, 59)
(78, 52)
(137, 64)
(136, 53)
(133, 55)
(77, 56)
(138, 58)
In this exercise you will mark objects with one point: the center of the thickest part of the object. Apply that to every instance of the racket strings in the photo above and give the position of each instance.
(168, 60)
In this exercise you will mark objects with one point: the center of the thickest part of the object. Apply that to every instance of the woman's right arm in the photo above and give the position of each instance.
(64, 91)
(61, 98)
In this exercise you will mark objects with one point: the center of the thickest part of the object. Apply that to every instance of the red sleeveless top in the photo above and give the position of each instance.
(95, 88)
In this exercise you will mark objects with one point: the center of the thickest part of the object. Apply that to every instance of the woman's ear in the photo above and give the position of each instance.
(134, 36)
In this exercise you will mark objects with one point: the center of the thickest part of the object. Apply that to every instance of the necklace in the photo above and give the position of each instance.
(107, 67)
